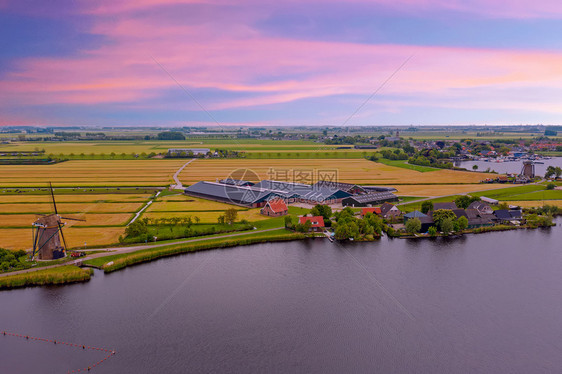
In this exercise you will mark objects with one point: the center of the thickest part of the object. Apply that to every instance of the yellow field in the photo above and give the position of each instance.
(208, 217)
(25, 220)
(75, 237)
(443, 189)
(187, 203)
(348, 170)
(73, 198)
(536, 203)
(70, 208)
(91, 173)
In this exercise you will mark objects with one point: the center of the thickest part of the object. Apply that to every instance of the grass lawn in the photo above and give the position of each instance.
(404, 164)
(406, 208)
(509, 193)
(58, 275)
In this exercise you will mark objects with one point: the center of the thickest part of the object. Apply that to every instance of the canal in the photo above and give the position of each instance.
(488, 303)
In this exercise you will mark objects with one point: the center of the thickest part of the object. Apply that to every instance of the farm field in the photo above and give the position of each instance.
(75, 237)
(110, 219)
(208, 217)
(348, 170)
(445, 189)
(535, 203)
(70, 208)
(187, 203)
(82, 198)
(91, 173)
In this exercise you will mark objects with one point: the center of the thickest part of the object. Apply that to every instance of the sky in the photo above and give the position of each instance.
(280, 63)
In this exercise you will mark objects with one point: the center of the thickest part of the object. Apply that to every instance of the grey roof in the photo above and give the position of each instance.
(379, 188)
(503, 214)
(236, 182)
(284, 186)
(415, 214)
(449, 206)
(479, 205)
(337, 185)
(460, 213)
(187, 150)
(324, 193)
(374, 197)
(385, 208)
(472, 213)
(488, 200)
(234, 194)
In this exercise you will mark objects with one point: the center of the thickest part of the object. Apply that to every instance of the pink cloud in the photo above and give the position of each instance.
(234, 57)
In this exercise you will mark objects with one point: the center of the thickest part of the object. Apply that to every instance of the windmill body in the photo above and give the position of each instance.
(47, 234)
(47, 243)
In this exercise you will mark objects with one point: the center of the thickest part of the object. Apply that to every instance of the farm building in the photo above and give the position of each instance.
(426, 221)
(379, 189)
(275, 207)
(504, 215)
(246, 196)
(316, 223)
(353, 189)
(236, 182)
(369, 199)
(489, 200)
(481, 207)
(187, 151)
(478, 219)
(374, 210)
(390, 211)
(323, 196)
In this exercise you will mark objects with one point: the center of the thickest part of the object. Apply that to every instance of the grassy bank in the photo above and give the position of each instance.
(58, 275)
(120, 261)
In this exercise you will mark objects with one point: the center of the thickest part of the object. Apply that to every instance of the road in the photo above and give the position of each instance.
(466, 193)
(119, 250)
(179, 185)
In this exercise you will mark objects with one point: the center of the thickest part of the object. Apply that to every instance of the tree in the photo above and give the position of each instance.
(288, 222)
(474, 167)
(447, 226)
(426, 207)
(230, 215)
(413, 225)
(432, 231)
(322, 210)
(440, 215)
(462, 201)
(550, 172)
(550, 186)
(463, 222)
(220, 219)
(558, 171)
(137, 228)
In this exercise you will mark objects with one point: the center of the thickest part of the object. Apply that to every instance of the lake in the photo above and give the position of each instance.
(488, 303)
(511, 167)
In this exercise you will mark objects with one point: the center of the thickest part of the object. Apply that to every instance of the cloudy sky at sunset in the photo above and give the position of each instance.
(284, 62)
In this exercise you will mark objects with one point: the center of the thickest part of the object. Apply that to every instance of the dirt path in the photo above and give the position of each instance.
(179, 185)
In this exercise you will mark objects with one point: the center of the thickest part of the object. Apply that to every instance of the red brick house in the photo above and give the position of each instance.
(375, 210)
(275, 208)
(317, 223)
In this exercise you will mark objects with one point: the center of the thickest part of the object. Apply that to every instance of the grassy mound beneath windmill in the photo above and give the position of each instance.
(58, 275)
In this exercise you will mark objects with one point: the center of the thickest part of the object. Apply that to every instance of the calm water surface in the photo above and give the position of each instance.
(489, 303)
(512, 167)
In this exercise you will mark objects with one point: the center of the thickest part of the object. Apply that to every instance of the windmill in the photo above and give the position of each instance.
(47, 234)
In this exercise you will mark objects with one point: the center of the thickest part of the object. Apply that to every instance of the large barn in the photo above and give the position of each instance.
(369, 199)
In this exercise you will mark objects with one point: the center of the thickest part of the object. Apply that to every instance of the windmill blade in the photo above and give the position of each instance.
(74, 219)
(53, 196)
(62, 236)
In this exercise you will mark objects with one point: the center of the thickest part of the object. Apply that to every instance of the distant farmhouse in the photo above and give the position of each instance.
(176, 152)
